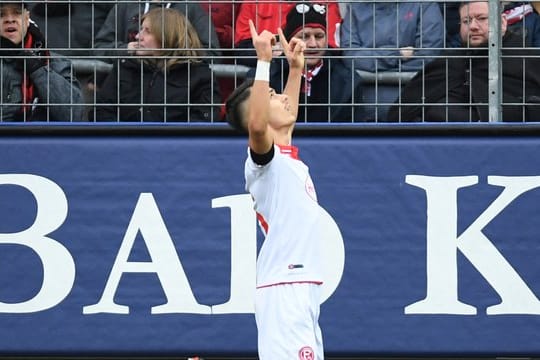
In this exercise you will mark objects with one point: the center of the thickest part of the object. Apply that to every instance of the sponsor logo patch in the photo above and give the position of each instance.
(306, 353)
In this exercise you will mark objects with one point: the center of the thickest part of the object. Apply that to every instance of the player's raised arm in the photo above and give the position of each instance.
(260, 136)
(294, 52)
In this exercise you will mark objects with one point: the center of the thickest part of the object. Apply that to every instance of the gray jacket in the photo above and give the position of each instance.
(373, 33)
(55, 88)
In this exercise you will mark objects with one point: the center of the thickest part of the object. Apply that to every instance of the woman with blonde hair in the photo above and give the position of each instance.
(165, 79)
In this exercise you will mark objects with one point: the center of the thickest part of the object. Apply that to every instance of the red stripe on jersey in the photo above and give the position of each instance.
(290, 150)
(262, 223)
(290, 282)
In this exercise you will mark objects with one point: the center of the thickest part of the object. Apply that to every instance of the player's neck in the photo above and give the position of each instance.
(283, 136)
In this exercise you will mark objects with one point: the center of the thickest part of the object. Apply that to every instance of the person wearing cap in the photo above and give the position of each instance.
(329, 91)
(271, 15)
(37, 85)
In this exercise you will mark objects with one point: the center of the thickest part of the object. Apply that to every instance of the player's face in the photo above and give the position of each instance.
(316, 43)
(280, 108)
(15, 22)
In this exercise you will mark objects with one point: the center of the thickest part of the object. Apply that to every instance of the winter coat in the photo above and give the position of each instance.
(369, 34)
(53, 84)
(339, 93)
(223, 17)
(463, 78)
(528, 24)
(123, 23)
(159, 96)
(70, 27)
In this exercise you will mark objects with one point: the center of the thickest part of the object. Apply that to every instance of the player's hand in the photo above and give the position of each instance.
(262, 42)
(293, 50)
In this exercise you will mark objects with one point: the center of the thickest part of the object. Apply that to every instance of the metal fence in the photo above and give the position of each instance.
(93, 36)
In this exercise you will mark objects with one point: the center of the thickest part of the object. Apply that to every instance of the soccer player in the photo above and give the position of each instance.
(287, 297)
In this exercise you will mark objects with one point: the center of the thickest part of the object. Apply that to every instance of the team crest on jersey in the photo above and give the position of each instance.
(310, 188)
(306, 353)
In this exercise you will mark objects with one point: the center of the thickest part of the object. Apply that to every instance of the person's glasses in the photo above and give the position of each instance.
(480, 20)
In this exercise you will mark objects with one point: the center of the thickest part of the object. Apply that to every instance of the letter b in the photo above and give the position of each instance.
(58, 264)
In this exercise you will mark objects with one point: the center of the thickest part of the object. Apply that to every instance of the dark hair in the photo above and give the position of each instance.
(233, 105)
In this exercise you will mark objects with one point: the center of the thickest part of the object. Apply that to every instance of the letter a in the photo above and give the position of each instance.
(165, 263)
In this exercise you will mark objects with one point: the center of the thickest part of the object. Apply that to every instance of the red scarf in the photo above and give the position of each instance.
(308, 75)
(27, 85)
(518, 13)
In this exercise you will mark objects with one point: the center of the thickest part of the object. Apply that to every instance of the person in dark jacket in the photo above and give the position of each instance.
(37, 85)
(329, 92)
(456, 87)
(165, 80)
(123, 20)
(70, 27)
(271, 15)
(522, 18)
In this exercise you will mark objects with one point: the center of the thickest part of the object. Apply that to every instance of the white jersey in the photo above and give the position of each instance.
(287, 209)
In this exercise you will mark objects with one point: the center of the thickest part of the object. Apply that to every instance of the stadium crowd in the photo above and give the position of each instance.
(177, 61)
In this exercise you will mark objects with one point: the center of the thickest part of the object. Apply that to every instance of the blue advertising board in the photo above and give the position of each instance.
(115, 245)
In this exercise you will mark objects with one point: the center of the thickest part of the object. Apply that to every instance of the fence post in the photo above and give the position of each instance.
(495, 68)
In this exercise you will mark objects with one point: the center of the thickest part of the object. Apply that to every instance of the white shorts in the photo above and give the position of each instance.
(287, 317)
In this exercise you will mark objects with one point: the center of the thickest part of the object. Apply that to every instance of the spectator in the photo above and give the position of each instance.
(520, 16)
(456, 88)
(450, 13)
(123, 20)
(522, 19)
(70, 28)
(165, 80)
(398, 37)
(37, 85)
(328, 89)
(223, 16)
(270, 16)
